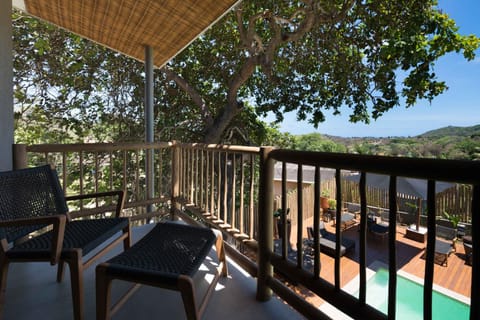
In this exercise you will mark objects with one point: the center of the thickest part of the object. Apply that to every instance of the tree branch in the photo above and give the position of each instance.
(196, 97)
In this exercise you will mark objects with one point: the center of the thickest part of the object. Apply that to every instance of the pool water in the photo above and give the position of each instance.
(410, 299)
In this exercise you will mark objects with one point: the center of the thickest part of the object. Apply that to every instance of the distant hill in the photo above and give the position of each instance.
(452, 131)
(446, 143)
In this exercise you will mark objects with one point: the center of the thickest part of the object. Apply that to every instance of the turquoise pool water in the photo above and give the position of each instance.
(410, 299)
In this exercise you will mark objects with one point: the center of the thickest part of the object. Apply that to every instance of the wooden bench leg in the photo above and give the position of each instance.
(60, 271)
(3, 284)
(127, 242)
(76, 279)
(220, 248)
(185, 286)
(103, 292)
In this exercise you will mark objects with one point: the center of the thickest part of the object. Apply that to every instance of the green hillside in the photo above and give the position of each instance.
(453, 131)
(444, 143)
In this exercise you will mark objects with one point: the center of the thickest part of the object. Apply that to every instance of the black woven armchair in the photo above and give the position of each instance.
(35, 226)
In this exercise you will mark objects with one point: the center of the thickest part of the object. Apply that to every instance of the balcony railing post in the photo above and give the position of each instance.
(265, 224)
(149, 126)
(19, 156)
(6, 86)
(475, 289)
(176, 160)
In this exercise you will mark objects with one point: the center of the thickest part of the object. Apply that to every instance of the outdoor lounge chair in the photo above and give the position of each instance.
(377, 227)
(35, 226)
(167, 257)
(353, 208)
(328, 241)
(445, 243)
(347, 220)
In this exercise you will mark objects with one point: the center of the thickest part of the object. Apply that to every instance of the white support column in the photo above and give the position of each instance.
(149, 133)
(6, 86)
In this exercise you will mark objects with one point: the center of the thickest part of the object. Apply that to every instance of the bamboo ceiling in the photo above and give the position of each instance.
(127, 26)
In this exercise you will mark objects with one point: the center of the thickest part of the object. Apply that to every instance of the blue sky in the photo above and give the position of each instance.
(458, 106)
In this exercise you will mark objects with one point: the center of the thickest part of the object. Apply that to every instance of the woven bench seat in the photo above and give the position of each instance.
(167, 257)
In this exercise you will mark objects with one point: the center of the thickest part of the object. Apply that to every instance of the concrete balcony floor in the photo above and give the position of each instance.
(33, 293)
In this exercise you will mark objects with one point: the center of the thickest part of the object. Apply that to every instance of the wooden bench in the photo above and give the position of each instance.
(167, 257)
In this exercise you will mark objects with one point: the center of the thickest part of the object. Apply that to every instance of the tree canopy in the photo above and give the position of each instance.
(265, 56)
(316, 142)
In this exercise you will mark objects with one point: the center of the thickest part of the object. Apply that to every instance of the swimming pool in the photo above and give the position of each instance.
(410, 299)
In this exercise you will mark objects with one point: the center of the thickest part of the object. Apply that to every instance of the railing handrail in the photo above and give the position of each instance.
(467, 172)
(100, 147)
(220, 147)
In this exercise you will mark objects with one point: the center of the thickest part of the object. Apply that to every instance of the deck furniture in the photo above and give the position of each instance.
(443, 250)
(353, 208)
(445, 244)
(167, 257)
(419, 235)
(35, 226)
(328, 241)
(376, 226)
(467, 245)
(379, 230)
(347, 220)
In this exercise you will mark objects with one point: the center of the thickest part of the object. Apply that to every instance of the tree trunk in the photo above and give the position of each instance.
(214, 133)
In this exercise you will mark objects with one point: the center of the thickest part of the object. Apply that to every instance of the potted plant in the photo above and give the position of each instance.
(454, 219)
(332, 209)
(332, 206)
(324, 197)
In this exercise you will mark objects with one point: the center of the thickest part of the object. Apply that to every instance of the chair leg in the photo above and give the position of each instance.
(3, 284)
(76, 279)
(127, 242)
(103, 292)
(185, 286)
(220, 248)
(60, 271)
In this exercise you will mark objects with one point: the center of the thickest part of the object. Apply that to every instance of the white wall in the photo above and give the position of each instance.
(6, 85)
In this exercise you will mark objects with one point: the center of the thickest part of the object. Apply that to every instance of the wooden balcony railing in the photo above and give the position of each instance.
(220, 182)
(87, 168)
(231, 187)
(464, 172)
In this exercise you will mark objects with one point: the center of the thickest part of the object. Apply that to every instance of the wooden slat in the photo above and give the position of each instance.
(431, 237)
(242, 194)
(392, 257)
(283, 212)
(252, 191)
(316, 225)
(338, 231)
(300, 217)
(363, 239)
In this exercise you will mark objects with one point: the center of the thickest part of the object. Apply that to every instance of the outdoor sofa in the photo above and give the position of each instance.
(328, 241)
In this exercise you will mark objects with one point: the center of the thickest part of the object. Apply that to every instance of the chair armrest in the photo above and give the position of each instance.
(119, 193)
(58, 222)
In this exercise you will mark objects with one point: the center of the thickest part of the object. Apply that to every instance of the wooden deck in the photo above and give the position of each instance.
(455, 277)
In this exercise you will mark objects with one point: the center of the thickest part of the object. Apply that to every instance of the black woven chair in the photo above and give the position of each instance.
(167, 257)
(35, 226)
